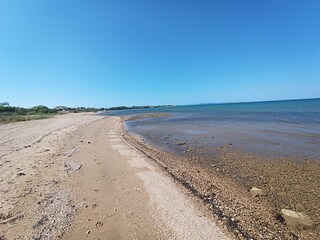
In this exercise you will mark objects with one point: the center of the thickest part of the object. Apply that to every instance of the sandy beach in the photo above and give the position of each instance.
(74, 176)
(178, 120)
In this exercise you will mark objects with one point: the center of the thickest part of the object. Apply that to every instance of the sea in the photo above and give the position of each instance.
(287, 128)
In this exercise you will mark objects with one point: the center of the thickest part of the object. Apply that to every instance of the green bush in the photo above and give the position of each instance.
(40, 109)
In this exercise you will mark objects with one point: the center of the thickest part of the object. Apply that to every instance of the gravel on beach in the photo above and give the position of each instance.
(222, 177)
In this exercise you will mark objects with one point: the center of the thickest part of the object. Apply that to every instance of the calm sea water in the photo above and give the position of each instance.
(275, 128)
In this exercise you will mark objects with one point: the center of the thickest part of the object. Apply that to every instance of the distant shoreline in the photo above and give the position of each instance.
(262, 101)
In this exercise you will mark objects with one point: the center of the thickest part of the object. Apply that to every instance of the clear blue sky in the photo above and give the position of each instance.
(147, 52)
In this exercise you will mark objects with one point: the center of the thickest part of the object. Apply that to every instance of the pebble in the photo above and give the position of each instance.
(99, 224)
(256, 192)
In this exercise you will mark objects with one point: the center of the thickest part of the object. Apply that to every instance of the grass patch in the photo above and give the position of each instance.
(22, 118)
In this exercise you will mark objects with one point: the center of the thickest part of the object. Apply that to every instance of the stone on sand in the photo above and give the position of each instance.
(256, 192)
(296, 220)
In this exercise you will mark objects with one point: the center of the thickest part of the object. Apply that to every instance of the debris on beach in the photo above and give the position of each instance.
(181, 143)
(72, 151)
(9, 218)
(41, 221)
(72, 166)
(256, 192)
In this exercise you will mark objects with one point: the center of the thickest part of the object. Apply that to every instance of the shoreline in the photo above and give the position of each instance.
(74, 177)
(227, 197)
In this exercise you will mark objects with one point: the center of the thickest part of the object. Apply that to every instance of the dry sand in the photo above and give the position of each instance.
(75, 177)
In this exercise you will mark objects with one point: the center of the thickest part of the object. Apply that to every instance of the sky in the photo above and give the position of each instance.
(147, 52)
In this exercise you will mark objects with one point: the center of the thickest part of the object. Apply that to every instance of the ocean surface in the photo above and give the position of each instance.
(274, 128)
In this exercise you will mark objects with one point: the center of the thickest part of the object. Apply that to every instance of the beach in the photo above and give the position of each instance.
(85, 176)
(250, 162)
(74, 176)
(173, 120)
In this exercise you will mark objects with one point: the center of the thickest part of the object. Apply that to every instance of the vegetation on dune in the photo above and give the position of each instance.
(21, 118)
(15, 114)
(84, 109)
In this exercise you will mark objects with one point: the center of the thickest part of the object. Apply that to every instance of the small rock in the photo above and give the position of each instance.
(21, 174)
(85, 205)
(88, 232)
(296, 220)
(181, 143)
(89, 142)
(94, 205)
(99, 224)
(256, 192)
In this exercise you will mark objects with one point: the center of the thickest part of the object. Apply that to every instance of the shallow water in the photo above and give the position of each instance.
(277, 128)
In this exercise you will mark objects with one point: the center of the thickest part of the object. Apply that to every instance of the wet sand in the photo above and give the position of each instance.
(222, 177)
(75, 177)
